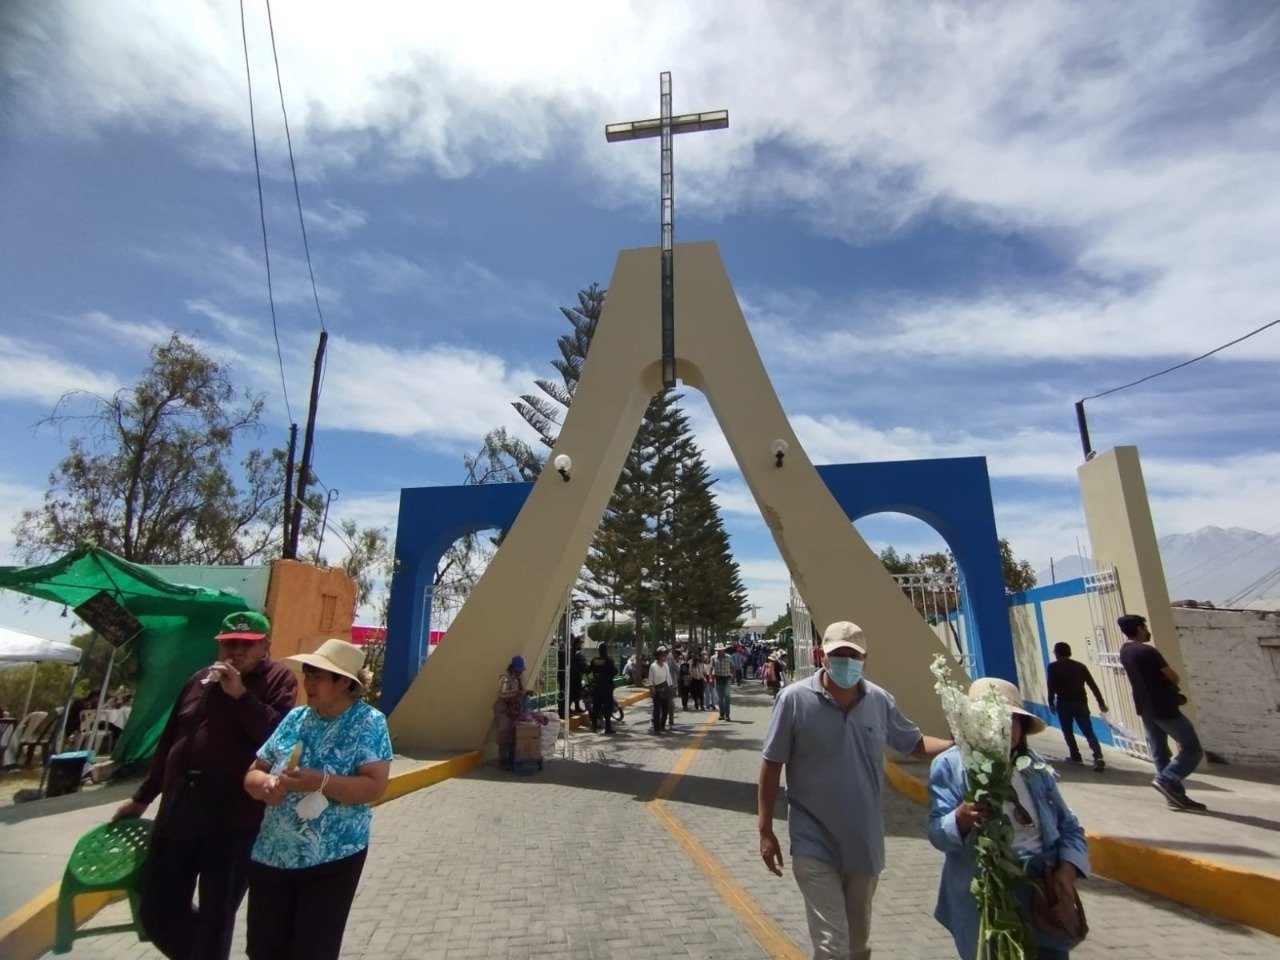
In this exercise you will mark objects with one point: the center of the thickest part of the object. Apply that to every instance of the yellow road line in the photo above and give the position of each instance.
(758, 923)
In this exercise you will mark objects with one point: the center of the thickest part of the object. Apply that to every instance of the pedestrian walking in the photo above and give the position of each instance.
(660, 690)
(206, 824)
(1158, 701)
(771, 679)
(722, 669)
(318, 774)
(1047, 837)
(601, 671)
(1066, 680)
(829, 732)
(698, 669)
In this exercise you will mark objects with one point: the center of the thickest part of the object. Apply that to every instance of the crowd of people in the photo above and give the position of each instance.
(261, 796)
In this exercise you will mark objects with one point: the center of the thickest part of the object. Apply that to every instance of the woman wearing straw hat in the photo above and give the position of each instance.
(318, 774)
(1047, 837)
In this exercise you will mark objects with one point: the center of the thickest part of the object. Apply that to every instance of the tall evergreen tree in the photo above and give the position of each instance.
(661, 523)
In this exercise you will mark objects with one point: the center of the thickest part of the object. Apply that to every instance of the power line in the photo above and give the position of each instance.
(262, 214)
(1184, 363)
(297, 196)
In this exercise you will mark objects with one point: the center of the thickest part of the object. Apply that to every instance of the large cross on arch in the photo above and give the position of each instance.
(666, 126)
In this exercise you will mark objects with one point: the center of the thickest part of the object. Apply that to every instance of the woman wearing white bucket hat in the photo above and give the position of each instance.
(1047, 837)
(318, 774)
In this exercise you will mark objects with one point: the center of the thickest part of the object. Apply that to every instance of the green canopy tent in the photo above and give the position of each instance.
(178, 626)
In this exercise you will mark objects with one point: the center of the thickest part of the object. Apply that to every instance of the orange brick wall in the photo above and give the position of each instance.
(307, 605)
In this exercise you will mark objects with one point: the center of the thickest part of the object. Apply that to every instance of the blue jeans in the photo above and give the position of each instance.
(1190, 753)
(1077, 711)
(722, 695)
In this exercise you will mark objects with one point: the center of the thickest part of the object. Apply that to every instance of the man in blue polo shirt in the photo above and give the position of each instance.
(830, 732)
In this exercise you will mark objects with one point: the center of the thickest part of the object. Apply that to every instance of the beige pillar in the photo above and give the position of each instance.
(514, 606)
(1123, 535)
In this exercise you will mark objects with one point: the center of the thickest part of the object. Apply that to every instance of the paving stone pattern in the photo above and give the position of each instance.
(572, 864)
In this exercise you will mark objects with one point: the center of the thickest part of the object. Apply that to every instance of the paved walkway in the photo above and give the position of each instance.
(580, 862)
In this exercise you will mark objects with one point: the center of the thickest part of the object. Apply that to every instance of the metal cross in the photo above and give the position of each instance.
(666, 126)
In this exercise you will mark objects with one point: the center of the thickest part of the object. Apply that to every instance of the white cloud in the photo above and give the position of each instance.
(29, 374)
(439, 392)
(1135, 140)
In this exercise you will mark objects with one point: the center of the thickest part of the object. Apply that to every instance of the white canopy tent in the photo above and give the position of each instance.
(18, 648)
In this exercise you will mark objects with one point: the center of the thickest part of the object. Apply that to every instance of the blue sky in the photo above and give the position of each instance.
(945, 223)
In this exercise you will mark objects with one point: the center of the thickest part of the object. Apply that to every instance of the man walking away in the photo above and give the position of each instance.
(1066, 681)
(1155, 694)
(602, 670)
(206, 826)
(722, 668)
(830, 731)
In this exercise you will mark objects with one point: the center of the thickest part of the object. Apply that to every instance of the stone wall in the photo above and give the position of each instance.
(1232, 660)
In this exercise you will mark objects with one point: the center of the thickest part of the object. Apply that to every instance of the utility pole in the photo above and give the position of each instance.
(304, 470)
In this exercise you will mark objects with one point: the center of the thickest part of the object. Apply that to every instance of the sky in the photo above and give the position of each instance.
(945, 223)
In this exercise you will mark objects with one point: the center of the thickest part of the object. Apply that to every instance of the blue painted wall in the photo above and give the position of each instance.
(951, 495)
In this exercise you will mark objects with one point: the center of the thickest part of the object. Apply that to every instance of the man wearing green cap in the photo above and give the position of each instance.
(206, 825)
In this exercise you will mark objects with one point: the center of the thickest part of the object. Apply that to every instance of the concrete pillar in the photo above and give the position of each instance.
(1123, 535)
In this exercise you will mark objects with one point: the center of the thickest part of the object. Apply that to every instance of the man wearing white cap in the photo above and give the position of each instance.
(830, 731)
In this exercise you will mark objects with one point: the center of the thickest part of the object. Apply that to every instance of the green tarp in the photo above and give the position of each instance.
(178, 626)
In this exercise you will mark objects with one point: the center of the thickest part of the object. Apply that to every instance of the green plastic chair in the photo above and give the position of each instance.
(109, 857)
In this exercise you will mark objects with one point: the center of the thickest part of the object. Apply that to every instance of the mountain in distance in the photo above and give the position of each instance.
(1212, 563)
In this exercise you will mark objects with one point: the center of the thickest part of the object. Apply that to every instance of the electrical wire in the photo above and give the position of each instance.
(1184, 363)
(297, 196)
(262, 214)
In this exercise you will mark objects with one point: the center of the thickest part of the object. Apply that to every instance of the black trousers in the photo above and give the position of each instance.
(218, 866)
(301, 914)
(661, 709)
(602, 708)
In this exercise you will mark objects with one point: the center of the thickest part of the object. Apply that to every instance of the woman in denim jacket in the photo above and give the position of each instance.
(1046, 831)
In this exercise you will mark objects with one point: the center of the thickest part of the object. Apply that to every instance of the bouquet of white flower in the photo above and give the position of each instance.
(982, 729)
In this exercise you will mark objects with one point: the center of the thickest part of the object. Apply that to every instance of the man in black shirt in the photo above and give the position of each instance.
(206, 826)
(1066, 682)
(1155, 694)
(602, 670)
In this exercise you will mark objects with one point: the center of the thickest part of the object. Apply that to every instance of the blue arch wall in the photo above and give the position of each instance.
(951, 495)
(432, 518)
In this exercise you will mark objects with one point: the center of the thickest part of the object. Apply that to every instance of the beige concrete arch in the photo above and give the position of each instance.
(516, 603)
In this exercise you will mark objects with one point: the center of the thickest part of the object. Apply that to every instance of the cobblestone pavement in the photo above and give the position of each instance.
(572, 863)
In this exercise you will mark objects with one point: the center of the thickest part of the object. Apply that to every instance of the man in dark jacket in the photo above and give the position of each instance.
(602, 670)
(206, 826)
(1156, 696)
(1067, 679)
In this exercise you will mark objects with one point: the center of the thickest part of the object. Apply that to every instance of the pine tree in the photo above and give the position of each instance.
(661, 552)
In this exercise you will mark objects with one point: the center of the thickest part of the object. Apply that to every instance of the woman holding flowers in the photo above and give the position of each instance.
(996, 812)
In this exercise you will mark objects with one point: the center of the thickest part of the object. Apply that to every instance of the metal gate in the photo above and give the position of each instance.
(1106, 605)
(936, 597)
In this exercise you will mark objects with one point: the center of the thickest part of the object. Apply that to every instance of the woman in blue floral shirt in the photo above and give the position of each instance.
(317, 774)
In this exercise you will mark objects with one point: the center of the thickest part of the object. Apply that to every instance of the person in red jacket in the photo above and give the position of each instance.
(206, 825)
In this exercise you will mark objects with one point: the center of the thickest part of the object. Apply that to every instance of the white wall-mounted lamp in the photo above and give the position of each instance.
(779, 451)
(563, 465)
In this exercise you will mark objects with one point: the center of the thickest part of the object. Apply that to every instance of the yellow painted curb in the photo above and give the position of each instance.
(27, 933)
(1218, 889)
(401, 783)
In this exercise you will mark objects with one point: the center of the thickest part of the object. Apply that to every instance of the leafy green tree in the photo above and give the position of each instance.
(149, 475)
